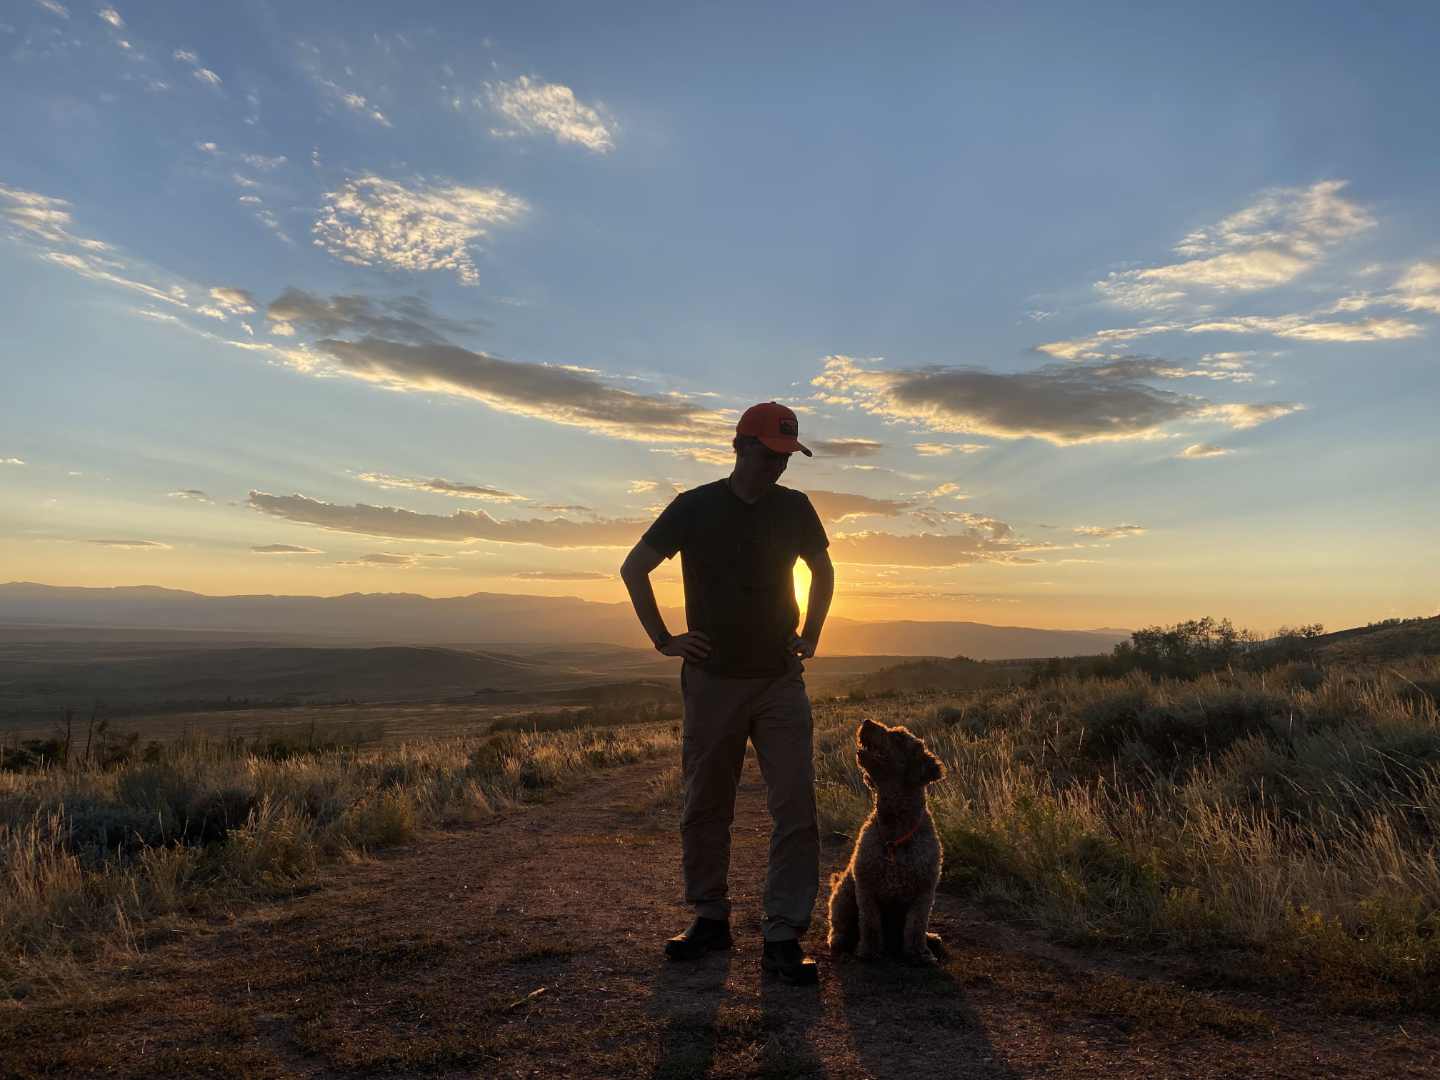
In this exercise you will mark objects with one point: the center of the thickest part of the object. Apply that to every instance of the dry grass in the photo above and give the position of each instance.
(90, 857)
(1289, 819)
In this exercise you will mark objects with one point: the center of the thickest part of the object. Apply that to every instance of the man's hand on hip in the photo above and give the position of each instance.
(804, 648)
(693, 645)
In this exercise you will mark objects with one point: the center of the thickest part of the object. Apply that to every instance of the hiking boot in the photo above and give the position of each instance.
(703, 936)
(788, 960)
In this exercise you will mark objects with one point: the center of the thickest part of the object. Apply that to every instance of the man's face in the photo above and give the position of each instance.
(761, 463)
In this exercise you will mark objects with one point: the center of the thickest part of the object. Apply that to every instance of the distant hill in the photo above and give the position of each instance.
(959, 673)
(1380, 641)
(481, 618)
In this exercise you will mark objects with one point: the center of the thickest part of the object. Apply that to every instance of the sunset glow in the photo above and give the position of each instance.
(315, 299)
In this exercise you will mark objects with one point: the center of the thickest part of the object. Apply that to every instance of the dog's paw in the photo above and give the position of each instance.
(937, 946)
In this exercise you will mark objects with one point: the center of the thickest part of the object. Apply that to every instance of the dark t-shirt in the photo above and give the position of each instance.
(738, 559)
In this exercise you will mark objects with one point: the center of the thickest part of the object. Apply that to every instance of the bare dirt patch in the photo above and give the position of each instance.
(531, 946)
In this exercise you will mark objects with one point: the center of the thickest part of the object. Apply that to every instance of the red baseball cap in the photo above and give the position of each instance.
(774, 425)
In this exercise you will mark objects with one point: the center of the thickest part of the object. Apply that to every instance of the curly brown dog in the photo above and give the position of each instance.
(880, 904)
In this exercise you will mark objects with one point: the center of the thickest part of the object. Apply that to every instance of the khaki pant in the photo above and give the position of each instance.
(774, 714)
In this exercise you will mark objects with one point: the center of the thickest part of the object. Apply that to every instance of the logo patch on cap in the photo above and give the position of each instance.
(789, 427)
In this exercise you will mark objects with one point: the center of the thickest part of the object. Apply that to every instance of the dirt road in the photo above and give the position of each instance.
(530, 946)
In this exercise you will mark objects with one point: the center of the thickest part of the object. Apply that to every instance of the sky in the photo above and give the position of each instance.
(1095, 315)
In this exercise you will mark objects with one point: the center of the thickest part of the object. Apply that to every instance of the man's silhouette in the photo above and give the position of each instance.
(741, 679)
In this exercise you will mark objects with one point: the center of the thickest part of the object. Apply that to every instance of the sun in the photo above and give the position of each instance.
(802, 586)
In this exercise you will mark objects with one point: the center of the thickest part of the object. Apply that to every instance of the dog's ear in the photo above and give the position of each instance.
(868, 729)
(923, 768)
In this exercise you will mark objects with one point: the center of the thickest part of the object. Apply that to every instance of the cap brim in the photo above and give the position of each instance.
(785, 445)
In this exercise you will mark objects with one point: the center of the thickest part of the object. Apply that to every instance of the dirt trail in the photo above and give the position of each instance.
(530, 946)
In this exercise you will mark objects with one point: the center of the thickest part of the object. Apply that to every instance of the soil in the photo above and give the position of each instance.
(530, 946)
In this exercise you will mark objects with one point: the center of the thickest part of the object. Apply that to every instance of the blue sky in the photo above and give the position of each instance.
(1099, 316)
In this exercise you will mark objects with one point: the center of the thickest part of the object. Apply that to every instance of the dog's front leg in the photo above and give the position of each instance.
(917, 925)
(872, 929)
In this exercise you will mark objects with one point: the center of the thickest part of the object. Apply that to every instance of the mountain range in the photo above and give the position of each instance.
(479, 618)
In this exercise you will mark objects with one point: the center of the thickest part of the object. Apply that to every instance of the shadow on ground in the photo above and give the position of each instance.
(906, 1022)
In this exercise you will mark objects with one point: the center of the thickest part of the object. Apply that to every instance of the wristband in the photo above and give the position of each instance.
(665, 638)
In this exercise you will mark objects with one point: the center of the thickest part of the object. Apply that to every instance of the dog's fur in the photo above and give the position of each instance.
(881, 903)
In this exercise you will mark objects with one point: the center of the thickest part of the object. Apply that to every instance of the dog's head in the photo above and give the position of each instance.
(893, 757)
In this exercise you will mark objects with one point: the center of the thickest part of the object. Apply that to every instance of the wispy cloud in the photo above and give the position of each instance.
(438, 486)
(11, 461)
(141, 545)
(459, 527)
(562, 575)
(285, 549)
(191, 495)
(641, 487)
(400, 318)
(233, 301)
(201, 73)
(371, 221)
(535, 106)
(111, 16)
(701, 455)
(356, 103)
(1204, 450)
(939, 449)
(54, 7)
(928, 549)
(1110, 532)
(1281, 235)
(1062, 404)
(381, 558)
(838, 506)
(846, 448)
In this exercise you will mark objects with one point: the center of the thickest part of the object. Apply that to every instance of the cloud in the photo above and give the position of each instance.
(640, 487)
(191, 495)
(977, 544)
(354, 102)
(938, 449)
(263, 162)
(562, 575)
(233, 301)
(535, 106)
(442, 487)
(372, 221)
(285, 549)
(1110, 532)
(1419, 288)
(1098, 343)
(111, 16)
(1204, 450)
(1306, 328)
(941, 490)
(1242, 416)
(147, 545)
(565, 508)
(54, 7)
(849, 448)
(459, 527)
(1062, 404)
(400, 318)
(11, 461)
(838, 506)
(45, 218)
(556, 393)
(1283, 234)
(203, 74)
(382, 558)
(701, 455)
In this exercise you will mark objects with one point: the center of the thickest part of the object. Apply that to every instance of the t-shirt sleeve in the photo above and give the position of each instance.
(668, 533)
(811, 532)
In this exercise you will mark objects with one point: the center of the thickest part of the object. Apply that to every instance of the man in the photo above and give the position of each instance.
(741, 679)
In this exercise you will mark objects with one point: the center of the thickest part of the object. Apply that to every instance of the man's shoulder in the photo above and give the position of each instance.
(793, 496)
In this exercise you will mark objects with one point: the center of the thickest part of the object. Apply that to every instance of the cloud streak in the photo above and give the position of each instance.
(438, 486)
(1061, 404)
(1284, 233)
(463, 526)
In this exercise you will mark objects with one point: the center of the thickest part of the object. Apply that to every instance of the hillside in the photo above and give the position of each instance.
(1378, 642)
(958, 673)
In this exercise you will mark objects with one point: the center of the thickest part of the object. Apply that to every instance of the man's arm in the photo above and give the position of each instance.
(635, 572)
(817, 606)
